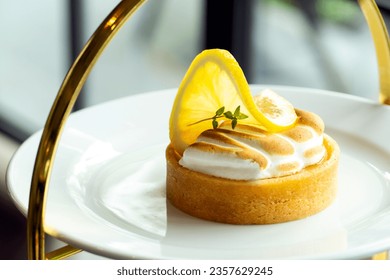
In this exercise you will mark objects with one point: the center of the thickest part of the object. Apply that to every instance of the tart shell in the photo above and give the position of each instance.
(263, 201)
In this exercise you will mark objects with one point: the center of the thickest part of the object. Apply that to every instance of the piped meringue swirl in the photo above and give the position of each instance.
(250, 153)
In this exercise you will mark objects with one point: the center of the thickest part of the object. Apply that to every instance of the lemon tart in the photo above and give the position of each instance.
(260, 162)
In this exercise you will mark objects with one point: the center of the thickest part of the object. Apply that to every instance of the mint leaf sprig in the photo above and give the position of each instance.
(220, 113)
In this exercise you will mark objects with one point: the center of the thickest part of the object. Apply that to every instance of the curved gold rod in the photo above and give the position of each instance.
(380, 36)
(382, 46)
(75, 80)
(62, 107)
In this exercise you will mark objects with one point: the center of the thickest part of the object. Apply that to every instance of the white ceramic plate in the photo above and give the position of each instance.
(106, 194)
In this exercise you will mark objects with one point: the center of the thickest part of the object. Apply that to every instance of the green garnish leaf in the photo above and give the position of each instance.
(234, 123)
(228, 115)
(220, 113)
(237, 111)
(241, 116)
(215, 123)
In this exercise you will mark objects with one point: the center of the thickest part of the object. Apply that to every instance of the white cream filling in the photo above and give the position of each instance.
(231, 166)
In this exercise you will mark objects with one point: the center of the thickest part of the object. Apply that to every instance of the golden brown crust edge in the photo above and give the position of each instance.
(264, 201)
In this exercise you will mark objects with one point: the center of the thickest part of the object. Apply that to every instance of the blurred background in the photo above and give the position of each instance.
(322, 44)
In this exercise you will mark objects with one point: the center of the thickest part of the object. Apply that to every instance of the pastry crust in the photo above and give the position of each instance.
(264, 201)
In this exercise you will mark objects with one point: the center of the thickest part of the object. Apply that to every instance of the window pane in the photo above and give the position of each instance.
(33, 60)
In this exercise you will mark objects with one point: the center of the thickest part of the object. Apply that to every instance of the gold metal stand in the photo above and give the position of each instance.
(62, 107)
(382, 46)
(71, 87)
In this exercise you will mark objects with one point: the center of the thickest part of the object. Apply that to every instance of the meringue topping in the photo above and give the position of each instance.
(250, 153)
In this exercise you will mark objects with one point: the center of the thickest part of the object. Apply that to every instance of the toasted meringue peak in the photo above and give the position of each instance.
(249, 153)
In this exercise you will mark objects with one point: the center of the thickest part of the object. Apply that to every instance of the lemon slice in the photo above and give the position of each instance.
(214, 80)
(276, 113)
